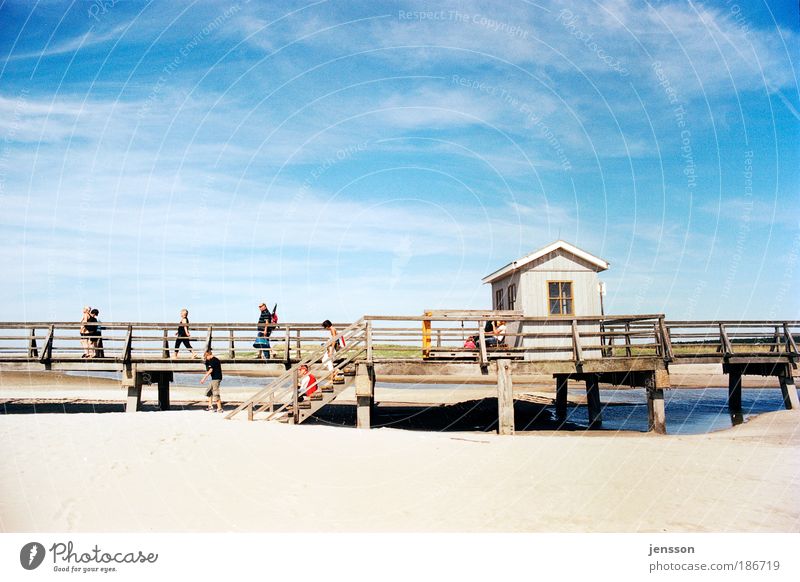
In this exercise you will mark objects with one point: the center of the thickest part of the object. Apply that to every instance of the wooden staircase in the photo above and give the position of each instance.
(278, 400)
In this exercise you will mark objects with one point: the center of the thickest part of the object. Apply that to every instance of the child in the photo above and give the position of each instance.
(308, 383)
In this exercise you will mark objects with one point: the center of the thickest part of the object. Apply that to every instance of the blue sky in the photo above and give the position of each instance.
(342, 158)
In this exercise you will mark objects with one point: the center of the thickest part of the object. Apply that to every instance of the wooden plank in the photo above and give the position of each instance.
(505, 398)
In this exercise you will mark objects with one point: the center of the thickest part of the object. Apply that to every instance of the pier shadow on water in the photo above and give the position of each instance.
(688, 411)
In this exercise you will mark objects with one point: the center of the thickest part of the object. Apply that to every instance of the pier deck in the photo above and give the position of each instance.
(628, 350)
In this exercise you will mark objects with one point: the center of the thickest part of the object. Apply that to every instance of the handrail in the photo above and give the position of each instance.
(287, 374)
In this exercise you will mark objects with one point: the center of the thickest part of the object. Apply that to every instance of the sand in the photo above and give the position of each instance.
(192, 471)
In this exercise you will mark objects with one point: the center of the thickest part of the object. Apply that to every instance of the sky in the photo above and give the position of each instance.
(342, 158)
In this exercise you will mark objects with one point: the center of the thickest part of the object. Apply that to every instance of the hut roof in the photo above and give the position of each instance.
(601, 264)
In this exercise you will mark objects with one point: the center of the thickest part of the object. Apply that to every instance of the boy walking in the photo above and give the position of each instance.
(213, 369)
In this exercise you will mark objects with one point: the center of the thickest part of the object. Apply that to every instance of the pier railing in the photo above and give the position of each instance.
(433, 336)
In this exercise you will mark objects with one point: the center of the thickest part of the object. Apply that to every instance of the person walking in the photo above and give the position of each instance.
(213, 369)
(86, 341)
(97, 340)
(184, 334)
(264, 329)
(335, 344)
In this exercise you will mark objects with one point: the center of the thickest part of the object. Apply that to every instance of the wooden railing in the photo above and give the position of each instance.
(439, 336)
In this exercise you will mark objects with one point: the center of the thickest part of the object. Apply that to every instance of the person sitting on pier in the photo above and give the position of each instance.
(213, 369)
(184, 334)
(308, 383)
(488, 334)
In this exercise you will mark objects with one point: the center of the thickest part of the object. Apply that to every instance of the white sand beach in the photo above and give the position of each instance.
(191, 471)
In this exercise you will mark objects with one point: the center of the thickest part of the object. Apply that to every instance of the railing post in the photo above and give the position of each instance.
(727, 349)
(288, 355)
(250, 411)
(368, 335)
(482, 347)
(232, 344)
(791, 347)
(127, 348)
(426, 336)
(47, 352)
(628, 352)
(208, 339)
(165, 347)
(33, 350)
(665, 340)
(299, 346)
(577, 352)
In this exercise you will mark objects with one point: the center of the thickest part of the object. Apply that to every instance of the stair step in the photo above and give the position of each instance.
(327, 389)
(316, 397)
(339, 380)
(305, 404)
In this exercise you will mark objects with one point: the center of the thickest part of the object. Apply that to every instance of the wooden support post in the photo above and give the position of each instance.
(593, 401)
(133, 381)
(298, 346)
(163, 389)
(727, 348)
(789, 390)
(656, 413)
(287, 356)
(505, 398)
(561, 396)
(232, 345)
(438, 338)
(666, 340)
(250, 411)
(365, 394)
(735, 389)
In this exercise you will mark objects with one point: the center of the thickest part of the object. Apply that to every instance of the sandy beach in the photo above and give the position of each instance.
(189, 470)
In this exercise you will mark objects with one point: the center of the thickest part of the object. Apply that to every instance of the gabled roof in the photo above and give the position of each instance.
(527, 259)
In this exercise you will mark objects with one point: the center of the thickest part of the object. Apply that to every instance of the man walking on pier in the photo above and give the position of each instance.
(213, 369)
(262, 338)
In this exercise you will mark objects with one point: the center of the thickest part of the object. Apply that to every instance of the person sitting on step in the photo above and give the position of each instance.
(308, 383)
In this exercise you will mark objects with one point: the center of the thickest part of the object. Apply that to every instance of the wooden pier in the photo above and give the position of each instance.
(626, 350)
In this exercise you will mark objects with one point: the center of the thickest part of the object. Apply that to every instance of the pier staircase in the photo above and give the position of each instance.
(278, 401)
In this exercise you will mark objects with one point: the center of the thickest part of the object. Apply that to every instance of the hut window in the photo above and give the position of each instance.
(560, 297)
(498, 299)
(512, 295)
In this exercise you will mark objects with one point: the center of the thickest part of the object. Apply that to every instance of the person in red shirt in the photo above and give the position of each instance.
(308, 383)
